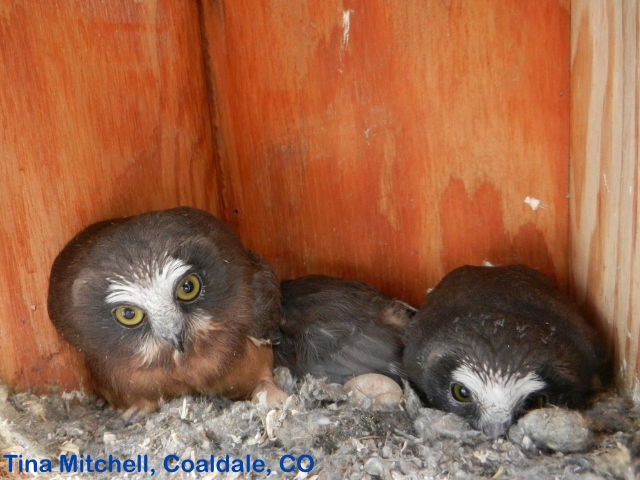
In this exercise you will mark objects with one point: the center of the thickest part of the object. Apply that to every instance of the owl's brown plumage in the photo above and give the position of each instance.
(165, 304)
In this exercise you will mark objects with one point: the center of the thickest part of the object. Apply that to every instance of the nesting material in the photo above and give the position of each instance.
(553, 429)
(344, 442)
(614, 463)
(434, 424)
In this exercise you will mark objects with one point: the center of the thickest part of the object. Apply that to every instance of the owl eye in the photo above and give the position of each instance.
(536, 401)
(461, 393)
(128, 316)
(189, 288)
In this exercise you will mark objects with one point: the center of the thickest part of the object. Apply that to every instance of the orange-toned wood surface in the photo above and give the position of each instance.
(393, 141)
(605, 244)
(104, 113)
(384, 141)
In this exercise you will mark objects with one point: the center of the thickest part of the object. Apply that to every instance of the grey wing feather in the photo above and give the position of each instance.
(340, 355)
(338, 329)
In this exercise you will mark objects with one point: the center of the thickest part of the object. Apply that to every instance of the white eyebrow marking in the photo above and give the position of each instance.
(497, 394)
(148, 285)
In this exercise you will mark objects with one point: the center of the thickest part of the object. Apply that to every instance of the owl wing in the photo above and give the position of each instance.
(266, 301)
(341, 350)
(338, 329)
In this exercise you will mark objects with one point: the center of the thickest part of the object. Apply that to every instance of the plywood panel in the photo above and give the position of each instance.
(605, 248)
(384, 141)
(393, 141)
(104, 112)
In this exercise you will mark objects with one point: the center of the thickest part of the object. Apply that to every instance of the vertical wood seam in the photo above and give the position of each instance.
(212, 106)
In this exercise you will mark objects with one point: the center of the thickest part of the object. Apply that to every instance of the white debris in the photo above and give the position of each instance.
(534, 203)
(346, 26)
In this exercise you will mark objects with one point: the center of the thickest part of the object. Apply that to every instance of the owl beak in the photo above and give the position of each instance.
(496, 430)
(168, 326)
(177, 342)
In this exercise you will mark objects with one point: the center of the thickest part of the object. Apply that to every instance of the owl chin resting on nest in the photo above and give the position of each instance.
(165, 304)
(491, 343)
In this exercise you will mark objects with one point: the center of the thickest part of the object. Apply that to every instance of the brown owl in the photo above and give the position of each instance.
(165, 304)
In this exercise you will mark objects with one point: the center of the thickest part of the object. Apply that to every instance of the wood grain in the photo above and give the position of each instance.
(383, 141)
(393, 142)
(104, 113)
(605, 248)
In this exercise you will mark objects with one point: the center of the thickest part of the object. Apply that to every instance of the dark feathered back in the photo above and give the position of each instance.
(339, 328)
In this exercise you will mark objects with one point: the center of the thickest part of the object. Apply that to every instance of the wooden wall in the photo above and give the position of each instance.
(384, 141)
(605, 245)
(104, 112)
(393, 142)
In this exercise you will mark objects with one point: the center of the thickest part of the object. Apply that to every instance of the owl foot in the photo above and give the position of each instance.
(137, 412)
(269, 393)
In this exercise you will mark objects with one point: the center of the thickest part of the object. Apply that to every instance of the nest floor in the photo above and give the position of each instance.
(319, 436)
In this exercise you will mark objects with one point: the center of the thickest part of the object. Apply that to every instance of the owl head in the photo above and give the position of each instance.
(154, 293)
(492, 343)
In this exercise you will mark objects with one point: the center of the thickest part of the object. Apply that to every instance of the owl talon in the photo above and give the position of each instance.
(269, 393)
(137, 412)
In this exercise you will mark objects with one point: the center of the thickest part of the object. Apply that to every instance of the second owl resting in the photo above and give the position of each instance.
(170, 303)
(489, 344)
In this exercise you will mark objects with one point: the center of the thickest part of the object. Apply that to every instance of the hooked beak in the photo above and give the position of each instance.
(169, 326)
(177, 342)
(496, 430)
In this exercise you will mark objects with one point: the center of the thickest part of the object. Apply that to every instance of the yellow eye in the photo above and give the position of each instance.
(128, 316)
(536, 401)
(189, 288)
(461, 393)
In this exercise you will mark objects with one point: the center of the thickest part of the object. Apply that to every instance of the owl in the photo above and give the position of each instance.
(339, 329)
(491, 343)
(165, 304)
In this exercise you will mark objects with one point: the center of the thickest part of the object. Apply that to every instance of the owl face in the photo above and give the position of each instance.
(491, 399)
(490, 392)
(146, 287)
(139, 291)
(491, 343)
(162, 299)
